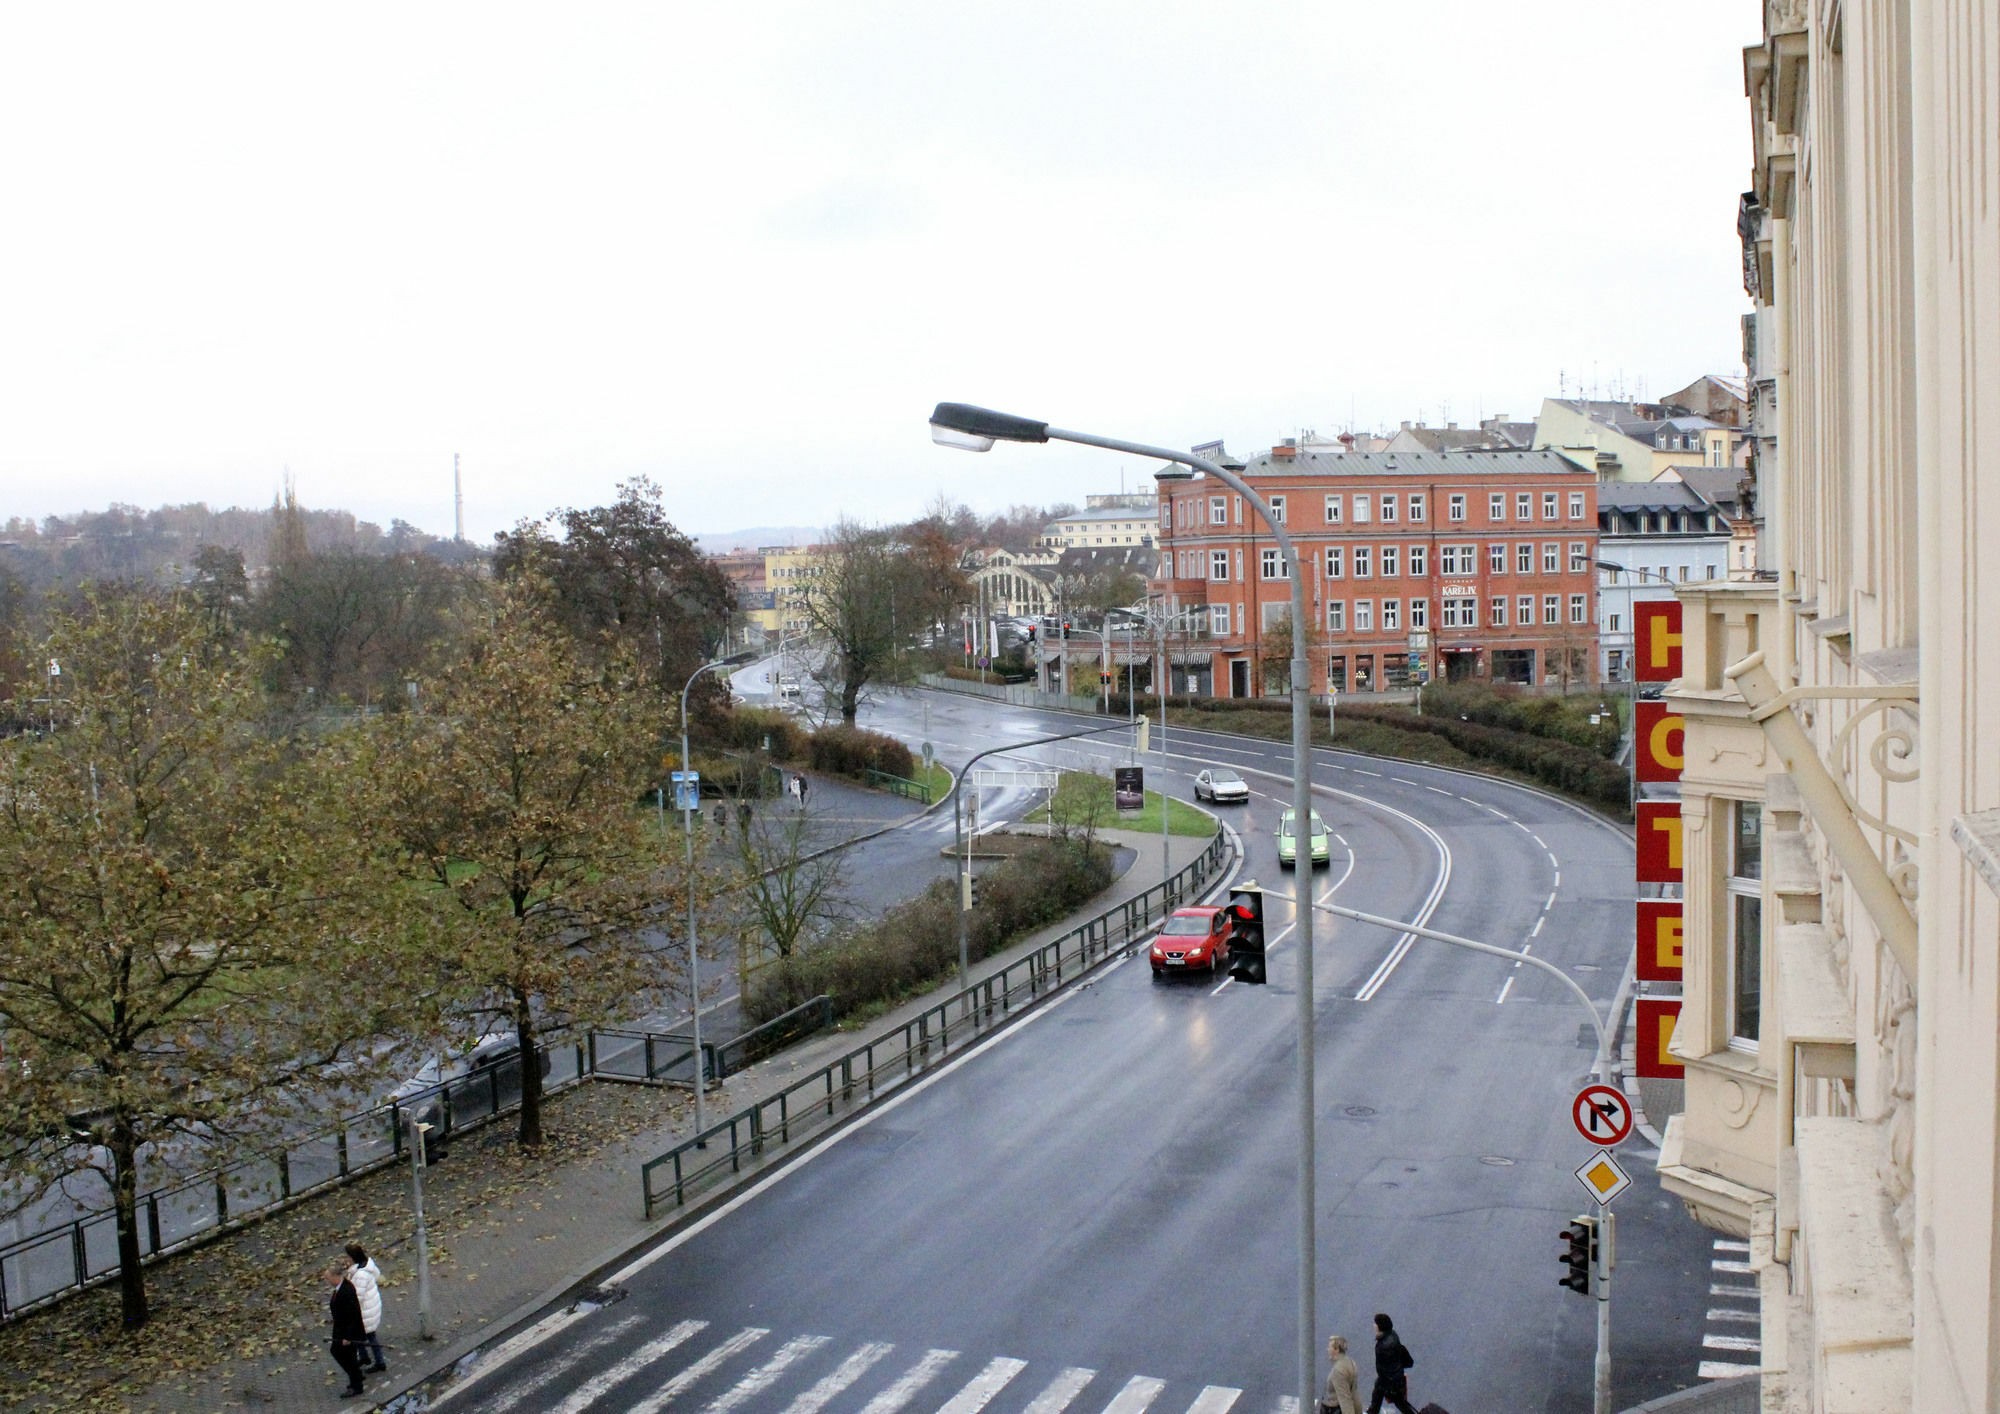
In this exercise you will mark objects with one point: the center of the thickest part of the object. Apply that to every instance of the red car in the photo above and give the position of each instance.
(1193, 937)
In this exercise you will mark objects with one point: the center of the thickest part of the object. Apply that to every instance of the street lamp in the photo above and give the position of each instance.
(688, 802)
(976, 429)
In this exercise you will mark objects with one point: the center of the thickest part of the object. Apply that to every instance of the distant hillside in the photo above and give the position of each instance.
(716, 542)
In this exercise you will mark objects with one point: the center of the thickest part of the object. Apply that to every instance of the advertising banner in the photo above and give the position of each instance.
(1653, 1030)
(1660, 740)
(1659, 940)
(1657, 641)
(1128, 787)
(1659, 842)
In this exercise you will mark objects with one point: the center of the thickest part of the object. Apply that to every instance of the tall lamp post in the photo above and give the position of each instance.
(976, 429)
(688, 803)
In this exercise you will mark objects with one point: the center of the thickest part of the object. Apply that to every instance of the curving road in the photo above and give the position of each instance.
(1096, 1210)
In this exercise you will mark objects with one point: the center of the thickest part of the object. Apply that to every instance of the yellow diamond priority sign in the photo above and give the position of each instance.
(1605, 1180)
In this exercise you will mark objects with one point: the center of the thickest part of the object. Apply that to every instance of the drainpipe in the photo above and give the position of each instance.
(1828, 806)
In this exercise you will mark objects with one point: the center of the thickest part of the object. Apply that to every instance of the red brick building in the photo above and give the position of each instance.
(1460, 564)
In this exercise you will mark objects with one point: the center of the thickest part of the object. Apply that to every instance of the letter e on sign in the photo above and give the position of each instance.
(1659, 934)
(1662, 741)
(1659, 842)
(1653, 1024)
(1657, 627)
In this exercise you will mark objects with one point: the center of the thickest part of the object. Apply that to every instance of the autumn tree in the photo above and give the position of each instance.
(788, 886)
(356, 626)
(1276, 649)
(513, 795)
(183, 935)
(869, 594)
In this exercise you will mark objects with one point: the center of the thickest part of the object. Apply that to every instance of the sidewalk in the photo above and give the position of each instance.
(516, 1235)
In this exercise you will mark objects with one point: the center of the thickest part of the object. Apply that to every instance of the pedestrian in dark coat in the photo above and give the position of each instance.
(348, 1330)
(1392, 1369)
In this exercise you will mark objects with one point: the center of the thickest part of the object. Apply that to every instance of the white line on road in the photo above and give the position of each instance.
(1747, 1293)
(1139, 1391)
(1214, 1399)
(1550, 902)
(729, 1349)
(1731, 1342)
(766, 1374)
(1538, 926)
(983, 1386)
(1062, 1389)
(1723, 1370)
(913, 1379)
(1558, 880)
(1724, 1244)
(1540, 841)
(1730, 1313)
(1505, 989)
(535, 1383)
(507, 1349)
(849, 1370)
(586, 1394)
(1441, 790)
(1522, 828)
(1721, 1265)
(1376, 774)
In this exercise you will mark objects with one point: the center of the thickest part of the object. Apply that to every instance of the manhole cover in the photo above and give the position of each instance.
(1498, 1161)
(1358, 1111)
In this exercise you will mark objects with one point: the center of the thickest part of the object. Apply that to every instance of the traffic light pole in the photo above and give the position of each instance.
(1601, 1396)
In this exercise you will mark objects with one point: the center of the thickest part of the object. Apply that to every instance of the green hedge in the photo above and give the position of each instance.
(915, 945)
(1565, 719)
(854, 751)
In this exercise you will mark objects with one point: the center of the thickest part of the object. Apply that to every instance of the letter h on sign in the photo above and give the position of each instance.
(1657, 628)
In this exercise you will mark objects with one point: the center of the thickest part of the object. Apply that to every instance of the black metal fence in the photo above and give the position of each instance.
(814, 1103)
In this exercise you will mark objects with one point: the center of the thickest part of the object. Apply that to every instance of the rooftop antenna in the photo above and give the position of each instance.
(458, 502)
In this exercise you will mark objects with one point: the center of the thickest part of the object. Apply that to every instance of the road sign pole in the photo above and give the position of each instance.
(1601, 1400)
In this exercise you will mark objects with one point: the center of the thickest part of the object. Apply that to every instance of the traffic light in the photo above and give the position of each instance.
(1031, 633)
(1145, 733)
(1246, 933)
(969, 898)
(1581, 1235)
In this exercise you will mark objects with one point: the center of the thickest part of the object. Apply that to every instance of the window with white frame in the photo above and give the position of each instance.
(1711, 572)
(1614, 623)
(1524, 505)
(1455, 506)
(1745, 891)
(1336, 616)
(1551, 555)
(1336, 561)
(1364, 615)
(1548, 505)
(1388, 507)
(1496, 505)
(1524, 610)
(1416, 505)
(1461, 613)
(1576, 505)
(1499, 610)
(1389, 558)
(1166, 515)
(1361, 562)
(1218, 564)
(1239, 508)
(1218, 511)
(1552, 608)
(1524, 558)
(1457, 559)
(1419, 560)
(1576, 608)
(1390, 617)
(1335, 504)
(1420, 613)
(1218, 620)
(1496, 557)
(1277, 508)
(1579, 557)
(1272, 565)
(1361, 508)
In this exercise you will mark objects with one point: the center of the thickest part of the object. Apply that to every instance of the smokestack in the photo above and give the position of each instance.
(458, 502)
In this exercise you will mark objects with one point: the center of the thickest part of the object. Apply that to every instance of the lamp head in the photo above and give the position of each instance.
(975, 429)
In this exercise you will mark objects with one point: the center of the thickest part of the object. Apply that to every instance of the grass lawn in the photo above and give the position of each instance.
(1085, 799)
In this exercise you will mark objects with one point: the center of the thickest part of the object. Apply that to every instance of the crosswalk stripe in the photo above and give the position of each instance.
(1731, 1342)
(1139, 1391)
(1724, 1370)
(1740, 1268)
(766, 1374)
(1723, 1244)
(1062, 1389)
(1747, 1293)
(536, 1382)
(591, 1390)
(670, 1391)
(913, 1379)
(984, 1385)
(1724, 1313)
(1214, 1399)
(849, 1370)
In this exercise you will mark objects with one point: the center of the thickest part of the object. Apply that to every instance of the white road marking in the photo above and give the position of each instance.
(850, 1370)
(1724, 1244)
(983, 1386)
(1539, 840)
(1480, 803)
(766, 1374)
(1730, 1342)
(1726, 1313)
(1214, 1399)
(1505, 989)
(556, 1369)
(1376, 774)
(913, 1379)
(1062, 1389)
(1401, 782)
(1523, 828)
(1558, 880)
(507, 1349)
(587, 1393)
(1721, 1265)
(1747, 1293)
(670, 1391)
(1139, 1391)
(1387, 967)
(1538, 926)
(1440, 790)
(1723, 1370)
(1549, 902)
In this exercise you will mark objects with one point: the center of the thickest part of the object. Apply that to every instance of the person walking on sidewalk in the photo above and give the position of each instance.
(1343, 1381)
(367, 1279)
(348, 1332)
(1392, 1369)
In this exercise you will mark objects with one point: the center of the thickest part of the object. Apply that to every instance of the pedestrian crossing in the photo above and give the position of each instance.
(1732, 1335)
(700, 1368)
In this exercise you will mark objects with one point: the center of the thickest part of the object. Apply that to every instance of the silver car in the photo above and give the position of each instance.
(1219, 784)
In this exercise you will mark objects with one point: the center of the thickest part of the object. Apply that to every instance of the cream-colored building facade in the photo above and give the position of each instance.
(1841, 795)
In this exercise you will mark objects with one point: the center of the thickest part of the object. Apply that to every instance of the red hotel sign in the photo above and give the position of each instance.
(1659, 842)
(1659, 940)
(1657, 630)
(1653, 1030)
(1660, 736)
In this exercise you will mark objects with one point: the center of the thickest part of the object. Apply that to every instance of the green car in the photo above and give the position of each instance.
(1288, 844)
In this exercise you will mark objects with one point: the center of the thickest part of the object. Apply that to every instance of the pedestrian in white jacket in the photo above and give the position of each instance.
(367, 1279)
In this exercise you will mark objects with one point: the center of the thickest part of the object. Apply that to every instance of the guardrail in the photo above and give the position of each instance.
(899, 785)
(774, 1035)
(852, 1081)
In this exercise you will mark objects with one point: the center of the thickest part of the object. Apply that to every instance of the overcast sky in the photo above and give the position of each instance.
(743, 248)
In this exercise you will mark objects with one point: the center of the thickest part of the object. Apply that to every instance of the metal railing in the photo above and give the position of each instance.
(899, 785)
(774, 1035)
(854, 1080)
(45, 1266)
